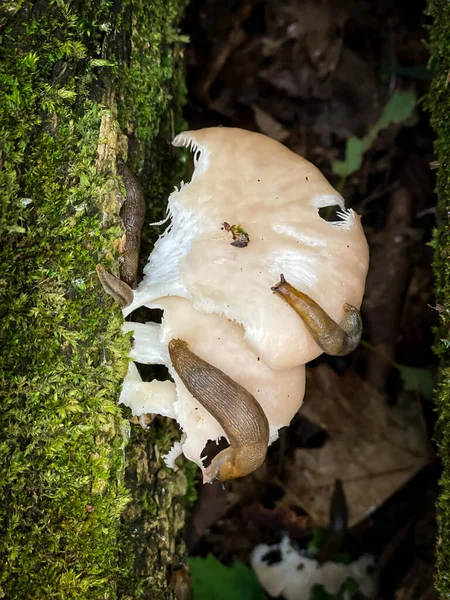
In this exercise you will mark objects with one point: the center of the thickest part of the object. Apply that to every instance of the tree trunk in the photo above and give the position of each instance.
(84, 512)
(439, 106)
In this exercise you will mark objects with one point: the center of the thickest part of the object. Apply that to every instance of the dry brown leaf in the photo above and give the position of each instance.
(276, 519)
(419, 583)
(268, 125)
(372, 447)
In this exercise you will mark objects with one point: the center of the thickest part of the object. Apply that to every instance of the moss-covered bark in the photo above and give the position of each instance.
(439, 106)
(81, 84)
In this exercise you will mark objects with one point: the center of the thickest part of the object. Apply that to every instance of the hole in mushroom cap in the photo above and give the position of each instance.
(143, 314)
(151, 372)
(212, 449)
(155, 315)
(332, 214)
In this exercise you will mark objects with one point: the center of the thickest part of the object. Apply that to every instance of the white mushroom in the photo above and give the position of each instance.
(249, 215)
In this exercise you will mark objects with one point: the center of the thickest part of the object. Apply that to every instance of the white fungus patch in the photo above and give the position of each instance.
(294, 575)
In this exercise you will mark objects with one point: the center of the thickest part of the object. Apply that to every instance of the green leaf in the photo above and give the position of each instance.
(347, 591)
(353, 157)
(318, 539)
(213, 580)
(398, 109)
(418, 380)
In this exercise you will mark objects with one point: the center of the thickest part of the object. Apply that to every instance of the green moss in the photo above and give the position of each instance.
(438, 103)
(153, 525)
(63, 357)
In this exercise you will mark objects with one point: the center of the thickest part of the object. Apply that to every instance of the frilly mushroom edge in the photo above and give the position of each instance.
(234, 335)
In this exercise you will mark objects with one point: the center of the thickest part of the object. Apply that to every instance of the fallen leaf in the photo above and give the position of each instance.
(212, 579)
(210, 506)
(268, 125)
(374, 448)
(418, 380)
(279, 518)
(399, 108)
(418, 583)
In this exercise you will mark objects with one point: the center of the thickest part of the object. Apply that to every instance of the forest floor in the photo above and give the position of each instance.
(315, 75)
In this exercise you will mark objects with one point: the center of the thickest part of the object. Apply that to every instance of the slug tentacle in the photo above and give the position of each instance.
(237, 411)
(332, 338)
(115, 287)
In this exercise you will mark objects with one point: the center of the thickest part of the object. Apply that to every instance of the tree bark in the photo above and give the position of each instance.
(85, 512)
(439, 106)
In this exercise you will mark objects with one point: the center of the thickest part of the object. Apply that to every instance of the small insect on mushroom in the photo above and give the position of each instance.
(236, 352)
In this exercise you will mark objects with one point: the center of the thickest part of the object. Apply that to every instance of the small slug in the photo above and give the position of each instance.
(237, 411)
(334, 339)
(115, 287)
(181, 583)
(132, 213)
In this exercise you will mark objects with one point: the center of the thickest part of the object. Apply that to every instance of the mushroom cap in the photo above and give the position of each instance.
(247, 179)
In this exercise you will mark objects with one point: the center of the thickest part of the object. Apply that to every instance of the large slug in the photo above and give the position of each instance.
(237, 411)
(132, 213)
(334, 339)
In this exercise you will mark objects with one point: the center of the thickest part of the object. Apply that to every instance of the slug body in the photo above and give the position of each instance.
(132, 213)
(334, 339)
(115, 287)
(181, 583)
(237, 411)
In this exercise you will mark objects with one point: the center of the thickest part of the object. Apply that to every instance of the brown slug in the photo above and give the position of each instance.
(181, 583)
(237, 411)
(115, 287)
(132, 213)
(332, 338)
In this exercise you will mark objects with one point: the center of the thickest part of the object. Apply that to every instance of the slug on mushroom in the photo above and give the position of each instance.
(255, 389)
(334, 339)
(240, 415)
(217, 297)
